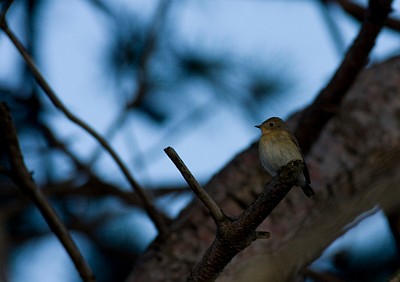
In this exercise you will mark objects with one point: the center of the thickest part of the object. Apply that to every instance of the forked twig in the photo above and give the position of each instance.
(235, 234)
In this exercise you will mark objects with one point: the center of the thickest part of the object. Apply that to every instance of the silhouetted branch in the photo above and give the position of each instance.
(23, 179)
(5, 9)
(325, 106)
(147, 204)
(116, 124)
(358, 12)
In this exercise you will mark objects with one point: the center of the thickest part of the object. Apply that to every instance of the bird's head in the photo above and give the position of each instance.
(272, 124)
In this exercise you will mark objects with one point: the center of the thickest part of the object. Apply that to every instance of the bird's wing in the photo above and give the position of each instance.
(305, 170)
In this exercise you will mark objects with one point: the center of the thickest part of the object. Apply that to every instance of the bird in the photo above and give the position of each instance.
(277, 147)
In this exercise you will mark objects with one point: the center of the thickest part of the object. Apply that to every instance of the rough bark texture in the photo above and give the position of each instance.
(354, 166)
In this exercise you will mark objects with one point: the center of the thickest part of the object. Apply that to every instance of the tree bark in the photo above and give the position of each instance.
(353, 165)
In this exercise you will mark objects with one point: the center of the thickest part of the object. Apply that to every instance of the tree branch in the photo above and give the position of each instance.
(22, 178)
(6, 8)
(155, 216)
(325, 106)
(350, 177)
(215, 211)
(234, 235)
(358, 12)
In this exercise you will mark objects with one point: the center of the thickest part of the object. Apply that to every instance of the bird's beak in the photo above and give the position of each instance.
(258, 126)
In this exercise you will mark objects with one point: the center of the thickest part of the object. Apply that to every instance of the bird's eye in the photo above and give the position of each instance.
(271, 124)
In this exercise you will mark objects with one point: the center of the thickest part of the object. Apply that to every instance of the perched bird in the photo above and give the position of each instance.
(277, 147)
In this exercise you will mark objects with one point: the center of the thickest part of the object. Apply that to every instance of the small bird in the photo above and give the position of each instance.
(277, 147)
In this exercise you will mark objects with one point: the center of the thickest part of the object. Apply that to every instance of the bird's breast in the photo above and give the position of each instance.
(276, 150)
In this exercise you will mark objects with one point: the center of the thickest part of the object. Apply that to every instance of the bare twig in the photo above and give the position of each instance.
(215, 211)
(234, 235)
(22, 178)
(328, 100)
(110, 133)
(147, 204)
